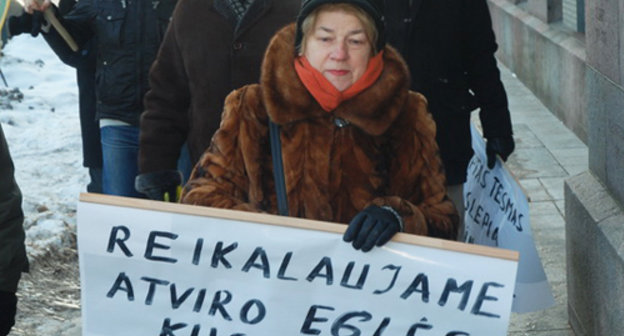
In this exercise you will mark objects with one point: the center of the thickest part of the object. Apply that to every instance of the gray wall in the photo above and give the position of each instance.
(605, 95)
(548, 58)
(581, 80)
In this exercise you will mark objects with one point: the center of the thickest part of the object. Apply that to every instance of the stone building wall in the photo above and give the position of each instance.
(580, 78)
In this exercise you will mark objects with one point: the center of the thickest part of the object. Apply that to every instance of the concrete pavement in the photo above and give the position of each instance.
(546, 154)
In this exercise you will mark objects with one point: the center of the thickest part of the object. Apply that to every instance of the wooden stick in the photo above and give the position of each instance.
(49, 15)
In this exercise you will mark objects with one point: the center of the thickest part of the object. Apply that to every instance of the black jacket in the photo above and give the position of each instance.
(449, 47)
(128, 35)
(13, 259)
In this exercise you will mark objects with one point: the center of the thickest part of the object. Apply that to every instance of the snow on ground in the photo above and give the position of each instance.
(39, 116)
(43, 133)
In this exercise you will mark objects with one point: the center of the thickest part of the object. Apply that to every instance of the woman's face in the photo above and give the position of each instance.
(337, 46)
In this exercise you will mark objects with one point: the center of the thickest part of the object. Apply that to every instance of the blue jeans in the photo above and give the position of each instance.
(120, 152)
(184, 163)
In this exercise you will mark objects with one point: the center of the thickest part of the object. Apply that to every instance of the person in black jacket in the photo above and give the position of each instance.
(449, 47)
(128, 35)
(84, 62)
(13, 260)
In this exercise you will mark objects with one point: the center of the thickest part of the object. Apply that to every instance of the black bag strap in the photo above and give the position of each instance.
(278, 168)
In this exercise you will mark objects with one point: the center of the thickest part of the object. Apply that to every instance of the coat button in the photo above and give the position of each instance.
(340, 122)
(237, 46)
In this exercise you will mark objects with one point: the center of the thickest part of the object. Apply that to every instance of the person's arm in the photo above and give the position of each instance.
(415, 201)
(220, 178)
(417, 181)
(76, 21)
(32, 21)
(164, 124)
(484, 77)
(75, 59)
(82, 58)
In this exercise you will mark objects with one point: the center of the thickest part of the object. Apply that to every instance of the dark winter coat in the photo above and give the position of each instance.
(13, 259)
(449, 48)
(128, 35)
(203, 58)
(383, 152)
(84, 61)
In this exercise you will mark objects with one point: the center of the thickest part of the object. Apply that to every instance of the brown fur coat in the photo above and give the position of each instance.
(386, 155)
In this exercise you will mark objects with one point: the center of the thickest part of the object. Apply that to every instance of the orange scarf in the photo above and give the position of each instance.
(324, 91)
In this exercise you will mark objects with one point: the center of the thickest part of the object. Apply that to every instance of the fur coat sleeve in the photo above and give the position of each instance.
(221, 177)
(417, 187)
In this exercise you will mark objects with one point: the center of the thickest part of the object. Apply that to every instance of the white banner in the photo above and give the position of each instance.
(154, 268)
(497, 214)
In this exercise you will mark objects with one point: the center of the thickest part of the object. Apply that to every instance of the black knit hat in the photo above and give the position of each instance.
(374, 8)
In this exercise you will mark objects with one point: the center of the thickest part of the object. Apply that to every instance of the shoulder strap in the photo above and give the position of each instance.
(278, 168)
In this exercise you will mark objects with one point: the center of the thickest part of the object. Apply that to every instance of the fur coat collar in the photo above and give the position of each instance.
(288, 101)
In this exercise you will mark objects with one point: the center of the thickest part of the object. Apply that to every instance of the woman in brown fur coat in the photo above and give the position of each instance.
(357, 146)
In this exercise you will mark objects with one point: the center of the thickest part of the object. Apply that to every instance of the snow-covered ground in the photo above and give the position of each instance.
(43, 133)
(39, 116)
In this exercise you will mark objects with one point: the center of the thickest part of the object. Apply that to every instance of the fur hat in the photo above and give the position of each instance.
(374, 8)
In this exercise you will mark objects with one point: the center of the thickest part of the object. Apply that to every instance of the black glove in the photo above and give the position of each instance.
(159, 186)
(502, 146)
(372, 226)
(26, 23)
(8, 307)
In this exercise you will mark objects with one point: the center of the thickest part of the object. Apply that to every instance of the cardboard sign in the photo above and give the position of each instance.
(497, 214)
(155, 268)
